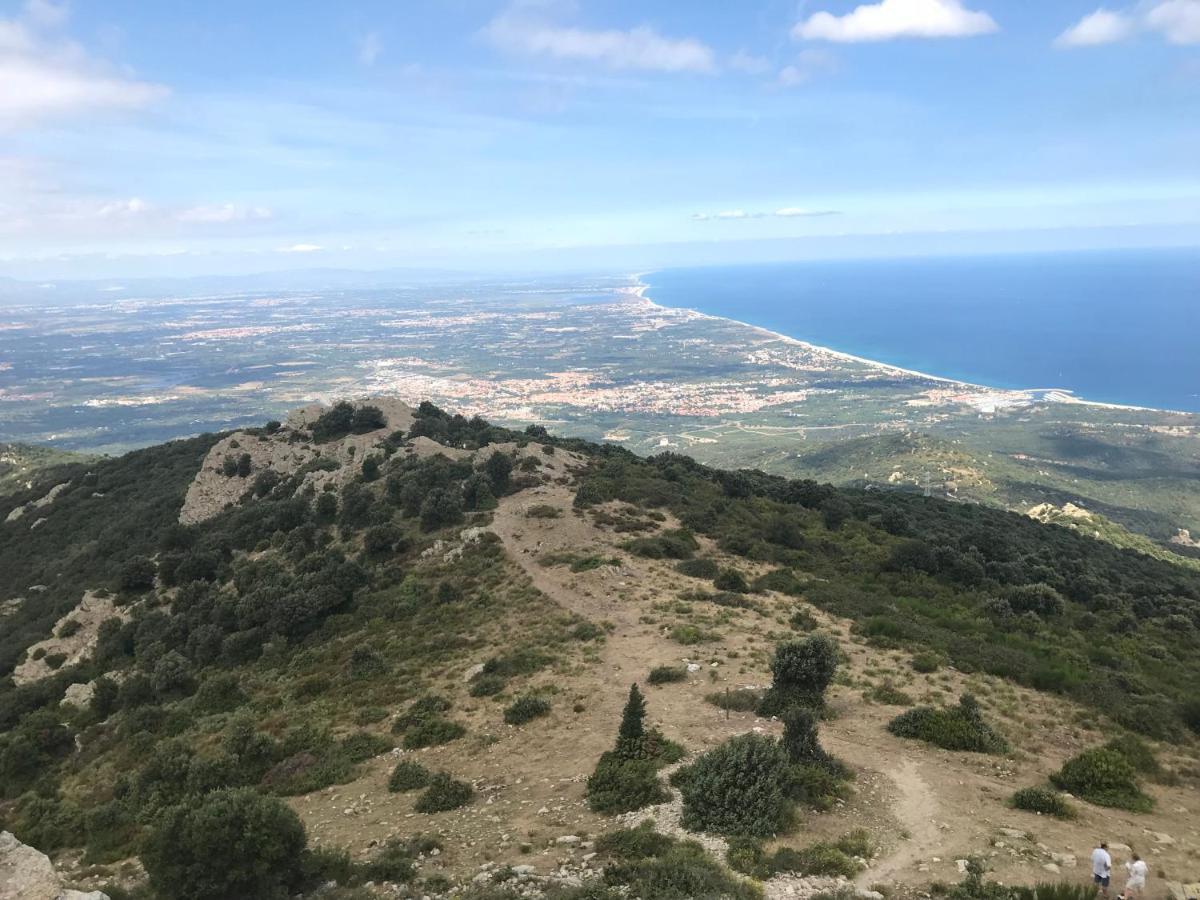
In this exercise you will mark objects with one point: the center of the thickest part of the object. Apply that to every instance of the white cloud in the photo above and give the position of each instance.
(809, 64)
(46, 14)
(521, 29)
(302, 248)
(798, 212)
(891, 19)
(222, 213)
(1177, 20)
(1100, 27)
(748, 63)
(787, 212)
(369, 49)
(45, 76)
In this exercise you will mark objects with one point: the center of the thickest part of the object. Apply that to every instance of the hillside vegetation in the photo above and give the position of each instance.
(464, 597)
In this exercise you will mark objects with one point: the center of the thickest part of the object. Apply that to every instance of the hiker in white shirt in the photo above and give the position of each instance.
(1135, 884)
(1102, 868)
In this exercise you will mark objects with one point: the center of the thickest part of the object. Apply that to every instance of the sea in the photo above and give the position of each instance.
(1115, 327)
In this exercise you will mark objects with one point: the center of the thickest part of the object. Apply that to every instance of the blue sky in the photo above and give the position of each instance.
(141, 138)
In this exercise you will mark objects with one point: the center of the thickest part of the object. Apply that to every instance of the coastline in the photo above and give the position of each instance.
(639, 289)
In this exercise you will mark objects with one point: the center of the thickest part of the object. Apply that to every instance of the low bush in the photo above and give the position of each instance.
(731, 580)
(698, 568)
(1040, 800)
(622, 785)
(587, 631)
(408, 776)
(1139, 754)
(666, 675)
(483, 685)
(683, 870)
(526, 709)
(230, 843)
(363, 745)
(1104, 777)
(689, 635)
(956, 728)
(634, 843)
(889, 695)
(838, 859)
(432, 732)
(740, 700)
(738, 788)
(444, 793)
(926, 662)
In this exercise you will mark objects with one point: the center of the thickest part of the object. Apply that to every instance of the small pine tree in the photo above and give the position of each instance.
(800, 740)
(633, 718)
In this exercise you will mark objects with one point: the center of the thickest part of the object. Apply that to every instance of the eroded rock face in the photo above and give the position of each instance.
(213, 489)
(76, 646)
(28, 874)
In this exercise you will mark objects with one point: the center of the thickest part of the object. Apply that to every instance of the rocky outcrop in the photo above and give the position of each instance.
(28, 874)
(285, 452)
(76, 645)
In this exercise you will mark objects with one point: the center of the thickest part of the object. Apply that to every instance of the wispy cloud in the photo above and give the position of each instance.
(1177, 21)
(369, 49)
(1100, 27)
(222, 213)
(809, 63)
(787, 212)
(302, 248)
(523, 28)
(892, 19)
(46, 76)
(748, 63)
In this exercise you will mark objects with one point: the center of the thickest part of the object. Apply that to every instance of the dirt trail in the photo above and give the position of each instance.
(916, 808)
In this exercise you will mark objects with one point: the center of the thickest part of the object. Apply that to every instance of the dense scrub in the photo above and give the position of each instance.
(955, 728)
(981, 589)
(265, 648)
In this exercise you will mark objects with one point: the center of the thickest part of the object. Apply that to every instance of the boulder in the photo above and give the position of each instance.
(28, 874)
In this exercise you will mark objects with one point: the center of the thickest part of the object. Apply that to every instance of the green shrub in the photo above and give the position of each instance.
(1104, 777)
(740, 700)
(802, 671)
(957, 728)
(803, 620)
(634, 843)
(666, 675)
(483, 685)
(698, 568)
(429, 707)
(684, 871)
(432, 732)
(526, 709)
(889, 695)
(363, 745)
(1040, 800)
(817, 785)
(587, 631)
(444, 793)
(689, 635)
(408, 776)
(738, 788)
(230, 843)
(542, 511)
(677, 544)
(818, 860)
(619, 784)
(220, 692)
(731, 580)
(68, 628)
(1139, 754)
(926, 662)
(1190, 713)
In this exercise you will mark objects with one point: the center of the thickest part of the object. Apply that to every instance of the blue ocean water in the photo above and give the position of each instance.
(1118, 327)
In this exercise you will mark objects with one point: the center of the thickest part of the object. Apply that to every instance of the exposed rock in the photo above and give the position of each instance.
(212, 490)
(91, 611)
(79, 694)
(28, 874)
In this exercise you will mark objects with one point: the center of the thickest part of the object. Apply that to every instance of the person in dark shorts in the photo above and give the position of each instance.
(1102, 868)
